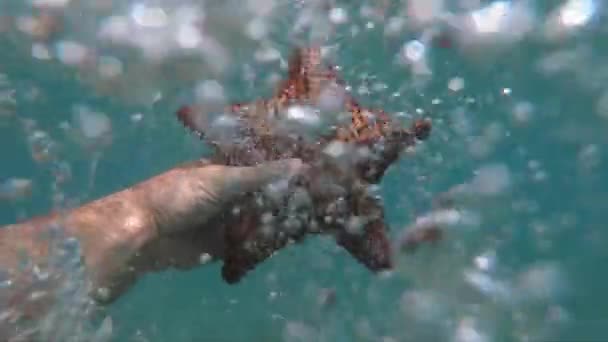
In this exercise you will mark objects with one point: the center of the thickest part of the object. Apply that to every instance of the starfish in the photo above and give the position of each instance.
(333, 196)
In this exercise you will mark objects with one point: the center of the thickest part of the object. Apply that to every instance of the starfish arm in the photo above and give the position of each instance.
(308, 77)
(249, 241)
(372, 170)
(239, 259)
(371, 246)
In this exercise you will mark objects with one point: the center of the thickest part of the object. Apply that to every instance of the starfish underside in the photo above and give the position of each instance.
(332, 197)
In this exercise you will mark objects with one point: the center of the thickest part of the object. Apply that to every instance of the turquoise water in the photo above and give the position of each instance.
(543, 232)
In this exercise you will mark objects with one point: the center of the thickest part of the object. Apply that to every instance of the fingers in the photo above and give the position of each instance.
(238, 180)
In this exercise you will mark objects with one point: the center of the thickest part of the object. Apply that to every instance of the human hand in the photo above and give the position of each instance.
(184, 208)
(187, 201)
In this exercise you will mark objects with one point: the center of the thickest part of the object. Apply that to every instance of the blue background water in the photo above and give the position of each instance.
(197, 306)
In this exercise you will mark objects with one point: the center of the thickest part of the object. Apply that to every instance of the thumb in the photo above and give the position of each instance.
(240, 179)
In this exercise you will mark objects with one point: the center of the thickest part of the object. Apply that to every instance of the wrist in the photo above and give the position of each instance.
(111, 232)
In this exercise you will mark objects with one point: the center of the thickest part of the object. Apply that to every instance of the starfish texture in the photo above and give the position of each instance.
(333, 195)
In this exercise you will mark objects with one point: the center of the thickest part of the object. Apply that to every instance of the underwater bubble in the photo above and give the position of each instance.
(378, 87)
(589, 157)
(147, 16)
(261, 7)
(338, 16)
(480, 147)
(336, 149)
(364, 330)
(272, 295)
(487, 285)
(204, 258)
(5, 279)
(41, 27)
(363, 90)
(499, 23)
(601, 107)
(268, 230)
(15, 189)
(188, 36)
(486, 261)
(394, 26)
(210, 93)
(37, 295)
(424, 12)
(103, 293)
(468, 331)
(39, 274)
(299, 332)
(26, 24)
(224, 130)
(41, 51)
(489, 19)
(491, 179)
(303, 122)
(276, 191)
(562, 61)
(300, 198)
(388, 339)
(267, 54)
(257, 28)
(71, 52)
(42, 147)
(355, 224)
(267, 218)
(544, 281)
(331, 99)
(456, 84)
(292, 225)
(50, 3)
(522, 112)
(115, 29)
(422, 305)
(568, 18)
(139, 336)
(137, 117)
(216, 56)
(303, 116)
(6, 315)
(441, 217)
(577, 12)
(104, 333)
(414, 51)
(109, 67)
(92, 125)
